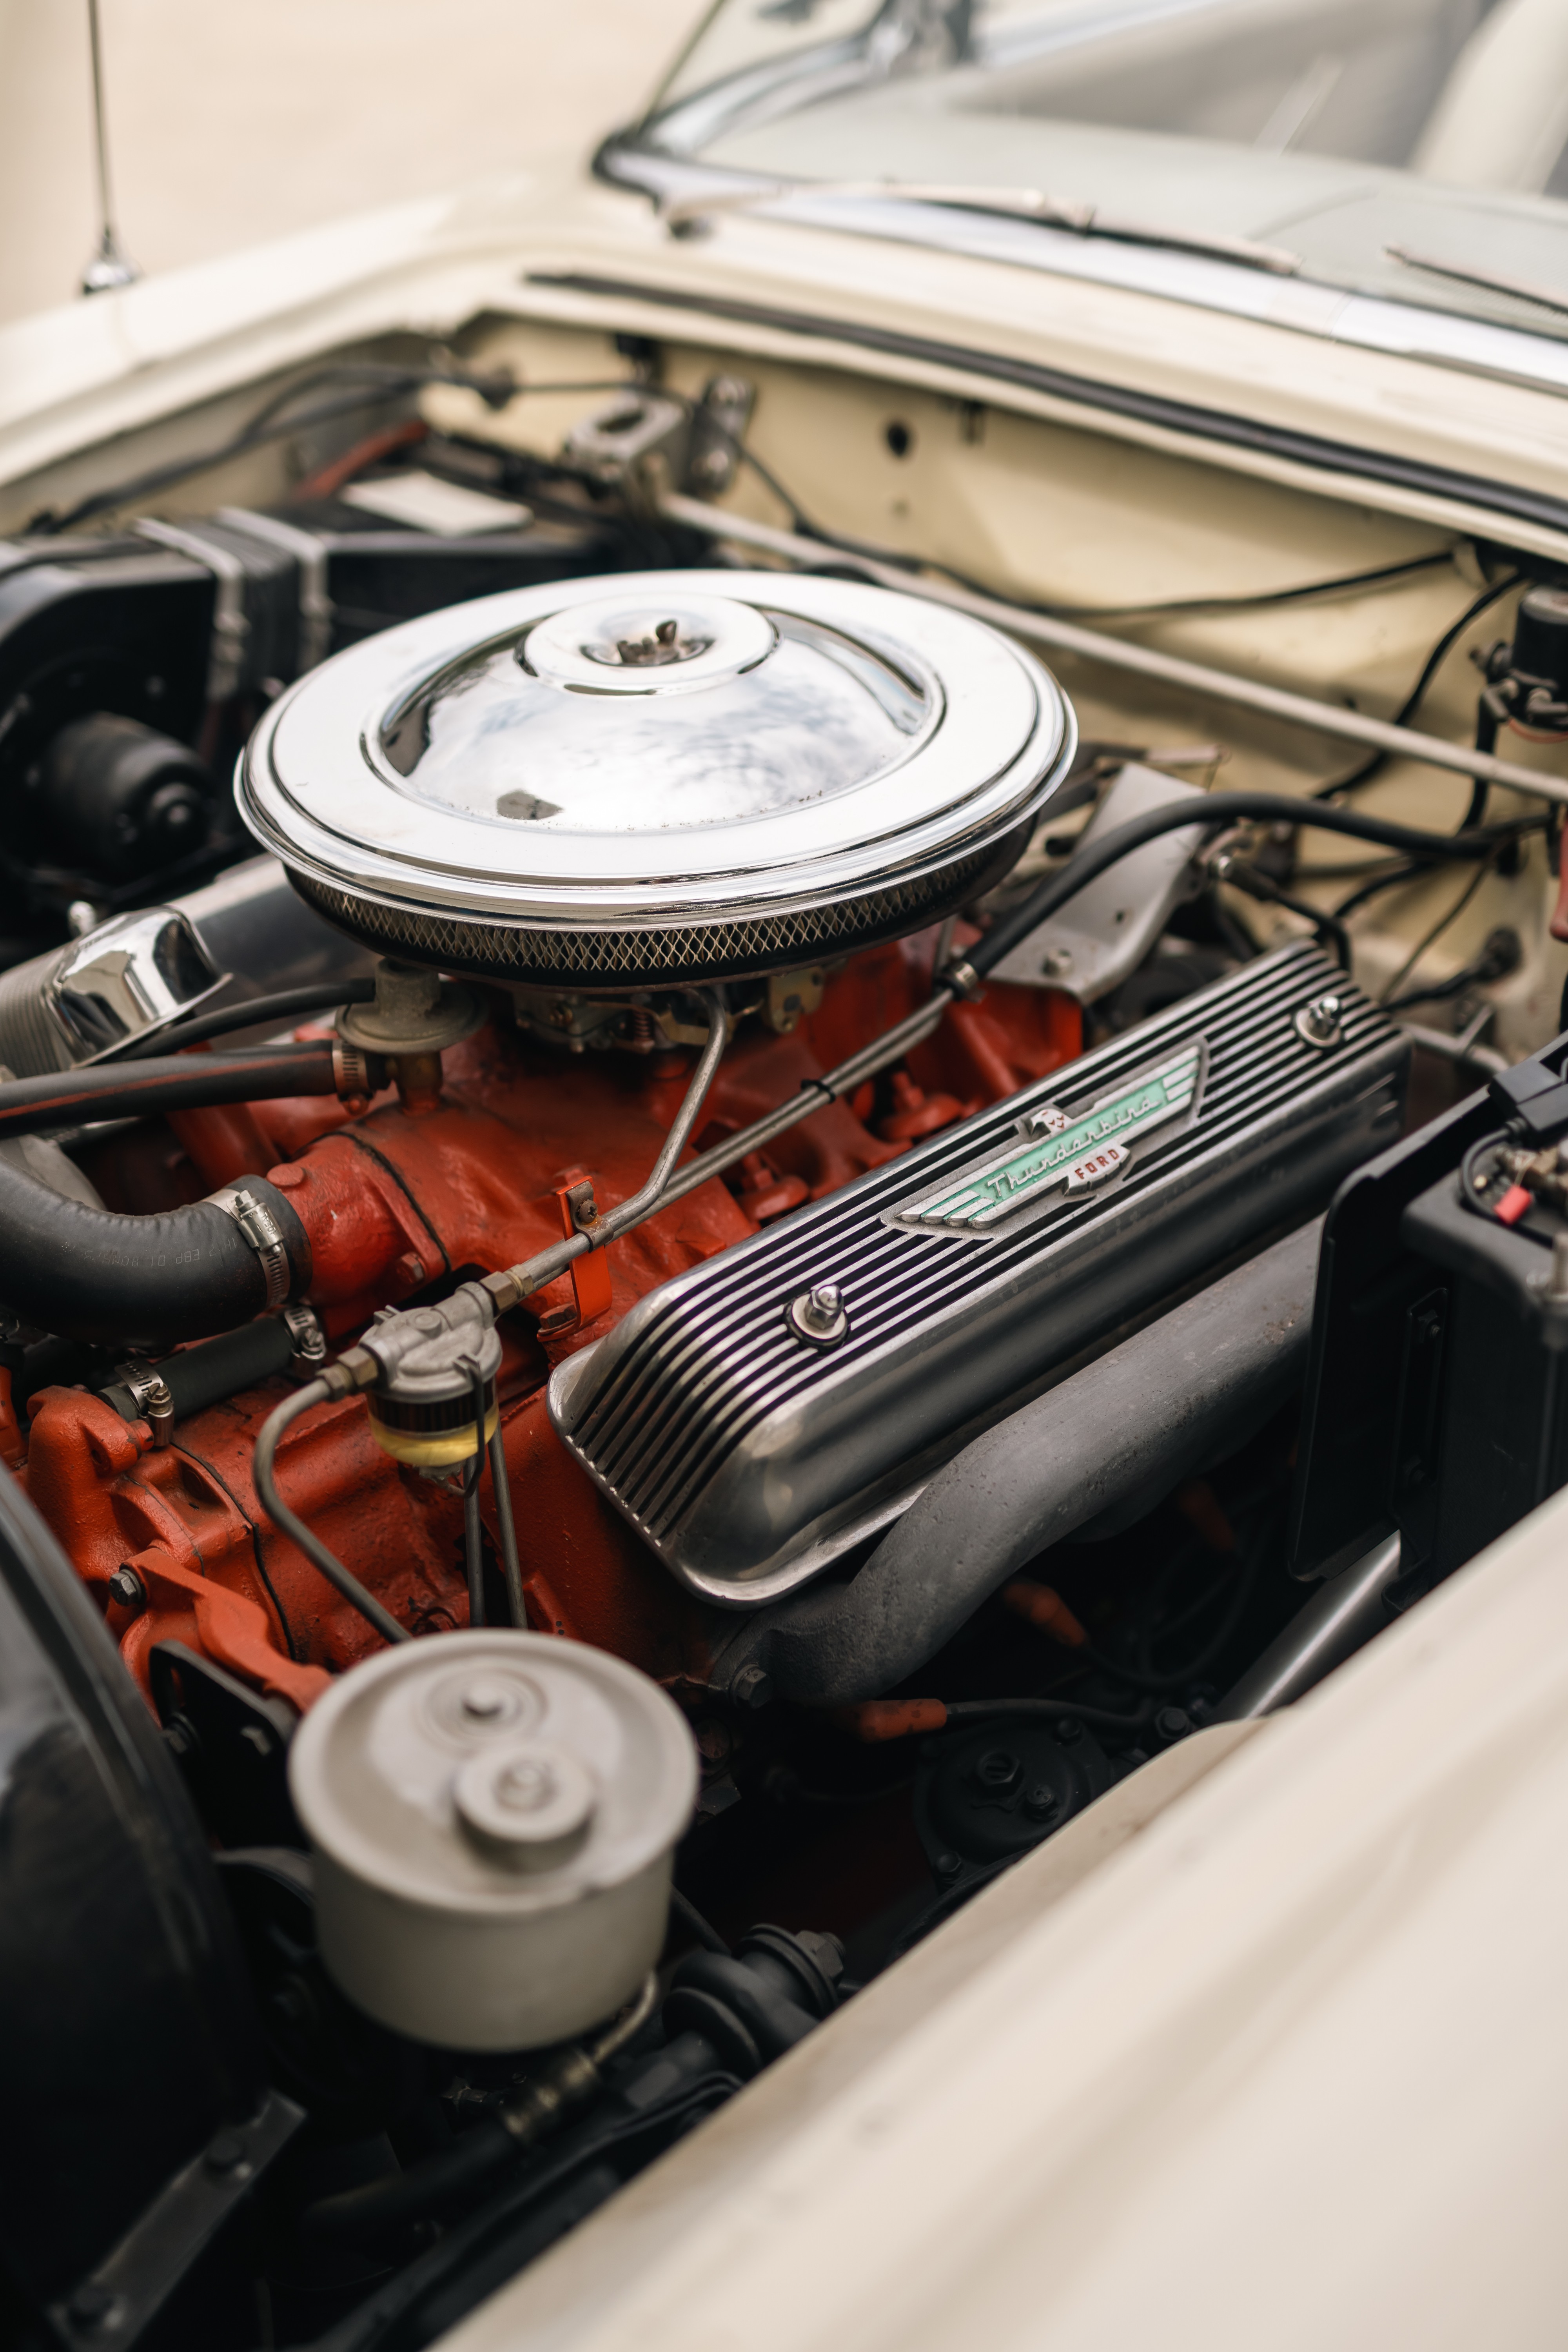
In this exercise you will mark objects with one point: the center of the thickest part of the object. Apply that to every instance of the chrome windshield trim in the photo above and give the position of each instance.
(1301, 305)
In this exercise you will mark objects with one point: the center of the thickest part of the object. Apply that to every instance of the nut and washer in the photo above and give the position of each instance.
(1321, 1024)
(264, 1233)
(819, 1316)
(126, 1587)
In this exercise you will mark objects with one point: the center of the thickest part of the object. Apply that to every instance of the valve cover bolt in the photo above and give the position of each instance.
(819, 1315)
(1322, 1022)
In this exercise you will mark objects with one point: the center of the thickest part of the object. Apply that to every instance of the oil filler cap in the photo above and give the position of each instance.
(493, 1817)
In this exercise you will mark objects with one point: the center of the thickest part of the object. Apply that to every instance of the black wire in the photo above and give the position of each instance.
(905, 562)
(1098, 1719)
(1492, 963)
(692, 1919)
(1414, 700)
(1437, 929)
(473, 1530)
(1408, 872)
(1262, 885)
(386, 2315)
(281, 1005)
(1259, 597)
(810, 529)
(1087, 864)
(271, 423)
(1241, 1593)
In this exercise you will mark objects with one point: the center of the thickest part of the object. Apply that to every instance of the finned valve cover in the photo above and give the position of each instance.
(750, 1445)
(656, 778)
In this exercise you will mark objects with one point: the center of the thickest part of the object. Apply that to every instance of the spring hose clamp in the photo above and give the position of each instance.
(264, 1233)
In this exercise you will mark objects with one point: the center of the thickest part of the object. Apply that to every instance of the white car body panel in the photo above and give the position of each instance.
(1290, 2067)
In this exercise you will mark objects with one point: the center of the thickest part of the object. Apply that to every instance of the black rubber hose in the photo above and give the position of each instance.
(429, 2186)
(1217, 809)
(1140, 1418)
(283, 1004)
(88, 1274)
(172, 1081)
(199, 1377)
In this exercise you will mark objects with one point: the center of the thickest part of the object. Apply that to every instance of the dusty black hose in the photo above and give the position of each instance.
(171, 1082)
(1218, 809)
(1139, 1419)
(540, 2106)
(199, 1377)
(288, 1523)
(88, 1274)
(283, 1004)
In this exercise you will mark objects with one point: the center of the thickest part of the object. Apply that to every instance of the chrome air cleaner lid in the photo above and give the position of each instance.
(655, 778)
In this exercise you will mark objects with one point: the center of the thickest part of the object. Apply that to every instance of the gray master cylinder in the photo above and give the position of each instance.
(493, 1817)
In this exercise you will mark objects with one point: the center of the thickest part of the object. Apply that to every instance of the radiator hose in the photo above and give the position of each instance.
(1123, 1431)
(89, 1274)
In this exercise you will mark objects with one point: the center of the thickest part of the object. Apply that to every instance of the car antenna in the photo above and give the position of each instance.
(111, 266)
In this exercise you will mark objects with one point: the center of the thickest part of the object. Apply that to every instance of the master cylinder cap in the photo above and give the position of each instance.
(493, 1817)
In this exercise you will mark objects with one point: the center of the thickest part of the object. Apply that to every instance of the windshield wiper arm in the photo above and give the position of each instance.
(687, 213)
(1488, 280)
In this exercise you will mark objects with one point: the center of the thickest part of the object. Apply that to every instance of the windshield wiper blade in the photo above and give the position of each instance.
(688, 212)
(1487, 280)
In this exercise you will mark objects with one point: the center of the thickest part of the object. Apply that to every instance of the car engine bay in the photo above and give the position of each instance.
(710, 1253)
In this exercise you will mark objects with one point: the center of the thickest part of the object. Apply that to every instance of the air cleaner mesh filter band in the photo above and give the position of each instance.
(625, 959)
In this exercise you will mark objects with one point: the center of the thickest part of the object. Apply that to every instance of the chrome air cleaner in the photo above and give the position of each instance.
(658, 778)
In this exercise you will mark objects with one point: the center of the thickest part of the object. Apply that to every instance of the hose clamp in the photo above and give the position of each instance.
(263, 1231)
(150, 1395)
(304, 1327)
(351, 1074)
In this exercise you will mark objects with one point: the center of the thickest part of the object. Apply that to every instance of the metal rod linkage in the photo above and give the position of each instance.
(1093, 644)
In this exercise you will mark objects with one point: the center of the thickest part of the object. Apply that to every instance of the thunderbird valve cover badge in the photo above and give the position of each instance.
(1079, 1154)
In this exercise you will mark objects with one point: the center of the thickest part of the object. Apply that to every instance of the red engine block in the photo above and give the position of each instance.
(395, 1199)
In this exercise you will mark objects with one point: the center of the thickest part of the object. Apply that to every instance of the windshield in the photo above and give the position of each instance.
(1416, 149)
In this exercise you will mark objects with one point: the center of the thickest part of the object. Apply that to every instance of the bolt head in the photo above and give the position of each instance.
(1068, 1731)
(998, 1770)
(819, 1315)
(127, 1588)
(1040, 1800)
(92, 2307)
(752, 1686)
(485, 1700)
(1322, 1022)
(226, 2155)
